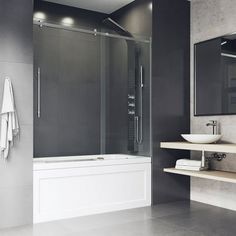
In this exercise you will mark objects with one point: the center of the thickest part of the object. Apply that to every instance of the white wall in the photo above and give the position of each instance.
(16, 61)
(210, 19)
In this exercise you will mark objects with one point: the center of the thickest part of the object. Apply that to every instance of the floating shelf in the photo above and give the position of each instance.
(223, 176)
(227, 148)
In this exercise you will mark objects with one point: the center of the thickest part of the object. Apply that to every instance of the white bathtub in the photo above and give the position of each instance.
(75, 186)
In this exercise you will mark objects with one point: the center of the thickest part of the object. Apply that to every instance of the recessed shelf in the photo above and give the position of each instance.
(227, 148)
(223, 176)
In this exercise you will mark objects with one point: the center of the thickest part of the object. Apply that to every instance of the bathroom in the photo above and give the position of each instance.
(103, 93)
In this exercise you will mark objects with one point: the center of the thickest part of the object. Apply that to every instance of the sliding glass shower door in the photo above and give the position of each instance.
(69, 122)
(91, 93)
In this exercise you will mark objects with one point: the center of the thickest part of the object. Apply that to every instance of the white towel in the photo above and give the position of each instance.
(9, 121)
(187, 162)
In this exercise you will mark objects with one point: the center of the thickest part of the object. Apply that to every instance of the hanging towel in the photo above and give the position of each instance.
(9, 122)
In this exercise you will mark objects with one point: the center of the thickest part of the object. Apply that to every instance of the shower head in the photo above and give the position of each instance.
(111, 24)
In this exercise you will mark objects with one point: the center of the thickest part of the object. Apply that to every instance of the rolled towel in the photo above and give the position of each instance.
(187, 162)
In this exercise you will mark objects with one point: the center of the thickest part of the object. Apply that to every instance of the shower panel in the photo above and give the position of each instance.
(139, 118)
(132, 100)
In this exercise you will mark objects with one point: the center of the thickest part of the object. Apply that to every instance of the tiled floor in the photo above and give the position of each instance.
(175, 219)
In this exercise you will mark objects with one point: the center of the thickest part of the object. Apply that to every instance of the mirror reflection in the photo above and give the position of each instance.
(215, 76)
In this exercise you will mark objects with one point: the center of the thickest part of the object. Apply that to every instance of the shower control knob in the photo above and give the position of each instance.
(131, 96)
(131, 112)
(131, 104)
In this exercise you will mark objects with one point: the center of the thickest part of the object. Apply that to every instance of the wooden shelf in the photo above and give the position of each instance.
(223, 176)
(226, 148)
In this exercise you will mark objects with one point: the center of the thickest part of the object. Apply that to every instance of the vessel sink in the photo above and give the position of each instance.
(202, 138)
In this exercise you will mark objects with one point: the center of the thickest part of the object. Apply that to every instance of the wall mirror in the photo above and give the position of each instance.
(215, 76)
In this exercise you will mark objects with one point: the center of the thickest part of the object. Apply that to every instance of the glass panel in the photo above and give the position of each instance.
(70, 93)
(92, 98)
(127, 103)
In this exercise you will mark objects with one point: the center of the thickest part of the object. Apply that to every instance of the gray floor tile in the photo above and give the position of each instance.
(139, 228)
(174, 219)
(185, 233)
(18, 231)
(108, 219)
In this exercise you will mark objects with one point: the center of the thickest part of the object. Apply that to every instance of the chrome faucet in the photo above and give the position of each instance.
(213, 123)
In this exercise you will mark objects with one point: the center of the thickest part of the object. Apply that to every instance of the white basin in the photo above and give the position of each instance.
(202, 138)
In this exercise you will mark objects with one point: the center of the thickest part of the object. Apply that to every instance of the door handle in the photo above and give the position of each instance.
(39, 93)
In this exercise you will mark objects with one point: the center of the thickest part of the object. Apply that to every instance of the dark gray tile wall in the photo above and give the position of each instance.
(82, 18)
(16, 61)
(170, 94)
(136, 17)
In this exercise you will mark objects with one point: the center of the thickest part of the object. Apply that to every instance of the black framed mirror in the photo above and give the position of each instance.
(215, 76)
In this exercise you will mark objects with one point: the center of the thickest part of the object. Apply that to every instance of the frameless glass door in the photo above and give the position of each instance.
(69, 122)
(91, 93)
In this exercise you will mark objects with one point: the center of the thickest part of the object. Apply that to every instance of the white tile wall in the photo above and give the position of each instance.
(210, 19)
(16, 61)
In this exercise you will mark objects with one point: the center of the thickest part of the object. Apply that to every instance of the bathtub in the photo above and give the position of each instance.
(66, 187)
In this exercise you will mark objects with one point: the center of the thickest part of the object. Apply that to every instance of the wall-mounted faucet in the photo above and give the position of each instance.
(213, 123)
